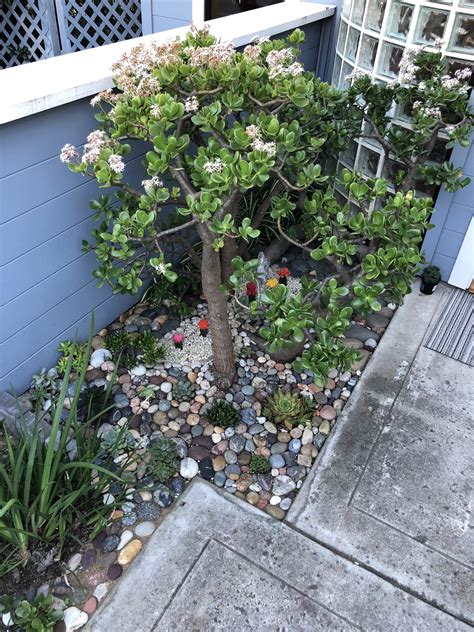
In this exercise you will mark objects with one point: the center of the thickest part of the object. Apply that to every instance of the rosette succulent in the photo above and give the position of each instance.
(287, 409)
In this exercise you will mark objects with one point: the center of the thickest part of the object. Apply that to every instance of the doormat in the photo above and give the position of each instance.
(453, 332)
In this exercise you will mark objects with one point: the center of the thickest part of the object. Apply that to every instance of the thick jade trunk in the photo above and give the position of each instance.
(218, 316)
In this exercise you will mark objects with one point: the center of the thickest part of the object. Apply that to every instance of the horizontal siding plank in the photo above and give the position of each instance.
(172, 9)
(17, 348)
(55, 216)
(449, 243)
(18, 377)
(26, 190)
(459, 218)
(162, 23)
(38, 300)
(39, 137)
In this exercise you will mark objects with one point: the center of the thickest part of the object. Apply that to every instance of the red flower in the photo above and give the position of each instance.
(203, 324)
(251, 289)
(283, 272)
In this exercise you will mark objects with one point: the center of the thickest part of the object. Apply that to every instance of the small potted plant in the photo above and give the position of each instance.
(178, 340)
(283, 274)
(430, 277)
(203, 325)
(251, 290)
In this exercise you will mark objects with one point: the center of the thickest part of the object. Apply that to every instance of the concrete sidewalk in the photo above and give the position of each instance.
(378, 538)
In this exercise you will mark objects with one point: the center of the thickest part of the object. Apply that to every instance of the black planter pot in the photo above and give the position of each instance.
(427, 287)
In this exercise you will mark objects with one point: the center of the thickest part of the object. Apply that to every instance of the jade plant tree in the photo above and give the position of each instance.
(218, 125)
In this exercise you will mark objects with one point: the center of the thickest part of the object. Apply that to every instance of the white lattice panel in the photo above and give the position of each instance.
(27, 32)
(90, 23)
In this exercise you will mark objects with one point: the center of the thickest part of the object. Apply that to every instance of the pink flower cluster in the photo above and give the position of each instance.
(68, 153)
(93, 147)
(116, 163)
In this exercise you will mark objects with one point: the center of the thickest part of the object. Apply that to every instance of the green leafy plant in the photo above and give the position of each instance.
(223, 414)
(163, 292)
(44, 384)
(116, 441)
(126, 348)
(431, 274)
(228, 129)
(164, 461)
(152, 352)
(259, 464)
(70, 348)
(291, 410)
(183, 391)
(38, 615)
(94, 404)
(45, 490)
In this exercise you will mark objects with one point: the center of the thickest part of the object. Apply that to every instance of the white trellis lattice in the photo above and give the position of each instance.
(89, 23)
(27, 31)
(35, 29)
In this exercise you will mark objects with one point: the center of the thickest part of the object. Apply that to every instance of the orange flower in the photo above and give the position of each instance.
(283, 272)
(203, 324)
(271, 283)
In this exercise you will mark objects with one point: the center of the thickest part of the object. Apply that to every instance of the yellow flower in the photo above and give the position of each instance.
(271, 283)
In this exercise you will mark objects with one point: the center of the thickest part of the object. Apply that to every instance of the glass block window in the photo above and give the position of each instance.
(372, 37)
(462, 38)
(430, 26)
(368, 52)
(399, 20)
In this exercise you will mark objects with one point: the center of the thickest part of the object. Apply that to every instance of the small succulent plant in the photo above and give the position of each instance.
(66, 348)
(164, 461)
(116, 441)
(259, 464)
(223, 414)
(130, 346)
(183, 391)
(44, 383)
(151, 351)
(38, 615)
(288, 409)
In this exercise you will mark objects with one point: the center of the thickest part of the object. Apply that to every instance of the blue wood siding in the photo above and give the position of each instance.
(452, 216)
(170, 14)
(47, 292)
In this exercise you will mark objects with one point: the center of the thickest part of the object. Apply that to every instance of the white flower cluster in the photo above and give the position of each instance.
(268, 148)
(253, 52)
(154, 181)
(116, 163)
(211, 56)
(155, 110)
(454, 83)
(408, 68)
(93, 147)
(191, 104)
(68, 153)
(282, 64)
(258, 143)
(432, 112)
(357, 73)
(463, 74)
(213, 166)
(105, 95)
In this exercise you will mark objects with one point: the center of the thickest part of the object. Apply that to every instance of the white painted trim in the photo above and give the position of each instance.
(463, 272)
(46, 84)
(198, 10)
